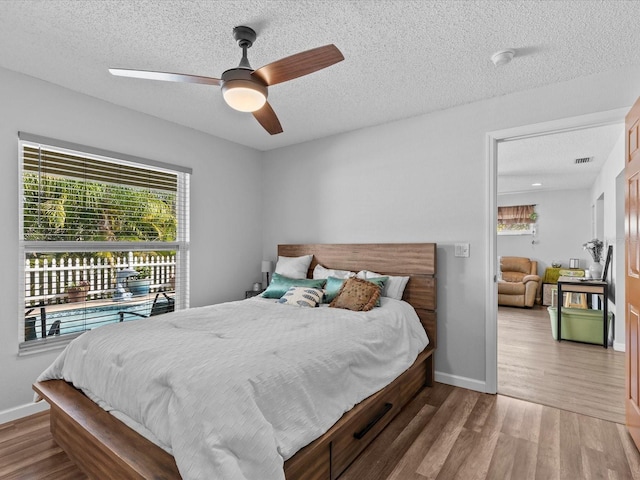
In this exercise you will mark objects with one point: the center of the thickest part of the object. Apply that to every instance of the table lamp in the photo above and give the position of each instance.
(266, 268)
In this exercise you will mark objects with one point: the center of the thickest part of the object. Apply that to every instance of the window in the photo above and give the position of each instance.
(104, 239)
(517, 220)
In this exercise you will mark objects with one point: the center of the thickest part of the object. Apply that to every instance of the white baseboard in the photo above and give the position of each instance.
(619, 346)
(464, 382)
(22, 411)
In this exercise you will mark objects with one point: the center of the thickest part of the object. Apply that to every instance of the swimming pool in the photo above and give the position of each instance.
(81, 319)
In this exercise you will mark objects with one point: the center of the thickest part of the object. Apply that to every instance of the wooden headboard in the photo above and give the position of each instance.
(416, 260)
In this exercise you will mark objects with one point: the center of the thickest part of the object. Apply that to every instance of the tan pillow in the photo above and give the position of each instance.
(357, 294)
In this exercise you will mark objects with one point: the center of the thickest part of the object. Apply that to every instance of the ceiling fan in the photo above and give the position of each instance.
(245, 89)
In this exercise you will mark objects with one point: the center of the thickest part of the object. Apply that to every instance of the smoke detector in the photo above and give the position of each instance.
(502, 57)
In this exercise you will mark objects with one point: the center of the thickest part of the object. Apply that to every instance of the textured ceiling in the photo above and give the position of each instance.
(402, 58)
(550, 159)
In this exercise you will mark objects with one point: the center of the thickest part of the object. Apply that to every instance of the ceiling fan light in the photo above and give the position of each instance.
(244, 96)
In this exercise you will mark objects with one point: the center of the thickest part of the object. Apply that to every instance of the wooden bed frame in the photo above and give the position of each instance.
(104, 447)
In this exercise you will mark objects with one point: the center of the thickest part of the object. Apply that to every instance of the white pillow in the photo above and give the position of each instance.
(393, 288)
(294, 267)
(321, 272)
(302, 297)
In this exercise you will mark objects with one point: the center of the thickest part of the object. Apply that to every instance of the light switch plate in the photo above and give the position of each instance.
(461, 250)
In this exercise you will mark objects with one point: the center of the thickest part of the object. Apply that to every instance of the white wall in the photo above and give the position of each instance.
(612, 224)
(563, 226)
(225, 197)
(422, 179)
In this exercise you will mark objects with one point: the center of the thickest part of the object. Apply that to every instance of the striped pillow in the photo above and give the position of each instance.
(302, 297)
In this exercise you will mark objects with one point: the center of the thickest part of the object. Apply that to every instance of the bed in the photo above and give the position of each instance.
(104, 447)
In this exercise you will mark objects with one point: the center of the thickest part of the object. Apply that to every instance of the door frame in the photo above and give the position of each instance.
(493, 138)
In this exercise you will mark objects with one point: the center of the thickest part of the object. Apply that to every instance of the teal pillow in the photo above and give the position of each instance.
(280, 284)
(332, 288)
(379, 281)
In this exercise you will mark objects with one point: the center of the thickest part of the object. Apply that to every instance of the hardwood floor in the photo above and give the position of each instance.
(453, 433)
(444, 433)
(27, 451)
(581, 378)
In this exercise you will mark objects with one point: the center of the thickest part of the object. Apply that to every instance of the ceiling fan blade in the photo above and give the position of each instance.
(164, 76)
(268, 119)
(300, 64)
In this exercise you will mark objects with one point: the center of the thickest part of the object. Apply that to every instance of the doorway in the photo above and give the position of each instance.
(494, 139)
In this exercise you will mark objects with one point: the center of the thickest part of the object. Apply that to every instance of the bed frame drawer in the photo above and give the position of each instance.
(360, 430)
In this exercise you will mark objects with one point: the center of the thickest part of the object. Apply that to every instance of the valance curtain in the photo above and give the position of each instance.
(516, 214)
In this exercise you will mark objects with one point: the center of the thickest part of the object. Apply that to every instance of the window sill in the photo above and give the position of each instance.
(514, 232)
(46, 344)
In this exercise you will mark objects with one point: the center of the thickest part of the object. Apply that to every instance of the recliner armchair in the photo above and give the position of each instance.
(520, 284)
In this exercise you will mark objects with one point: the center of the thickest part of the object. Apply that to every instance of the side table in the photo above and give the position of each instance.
(252, 293)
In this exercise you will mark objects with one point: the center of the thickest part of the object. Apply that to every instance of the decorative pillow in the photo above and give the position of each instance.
(356, 294)
(331, 288)
(280, 284)
(380, 282)
(294, 267)
(321, 272)
(393, 288)
(302, 297)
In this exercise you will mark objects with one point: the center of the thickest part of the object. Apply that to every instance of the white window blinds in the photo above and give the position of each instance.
(104, 239)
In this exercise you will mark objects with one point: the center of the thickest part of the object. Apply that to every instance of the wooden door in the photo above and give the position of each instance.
(632, 274)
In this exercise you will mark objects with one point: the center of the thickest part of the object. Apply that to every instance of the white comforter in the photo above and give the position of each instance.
(232, 390)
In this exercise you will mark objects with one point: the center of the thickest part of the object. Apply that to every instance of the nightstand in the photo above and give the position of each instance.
(252, 293)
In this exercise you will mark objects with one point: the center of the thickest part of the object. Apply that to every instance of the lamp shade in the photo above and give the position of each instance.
(266, 266)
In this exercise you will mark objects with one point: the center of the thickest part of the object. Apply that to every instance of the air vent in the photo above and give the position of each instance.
(579, 161)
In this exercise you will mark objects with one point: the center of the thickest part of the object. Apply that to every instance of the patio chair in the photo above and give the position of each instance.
(157, 308)
(30, 322)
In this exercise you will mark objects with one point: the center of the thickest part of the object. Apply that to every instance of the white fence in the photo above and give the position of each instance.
(47, 281)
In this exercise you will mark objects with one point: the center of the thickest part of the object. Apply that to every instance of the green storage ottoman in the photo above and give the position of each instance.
(579, 324)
